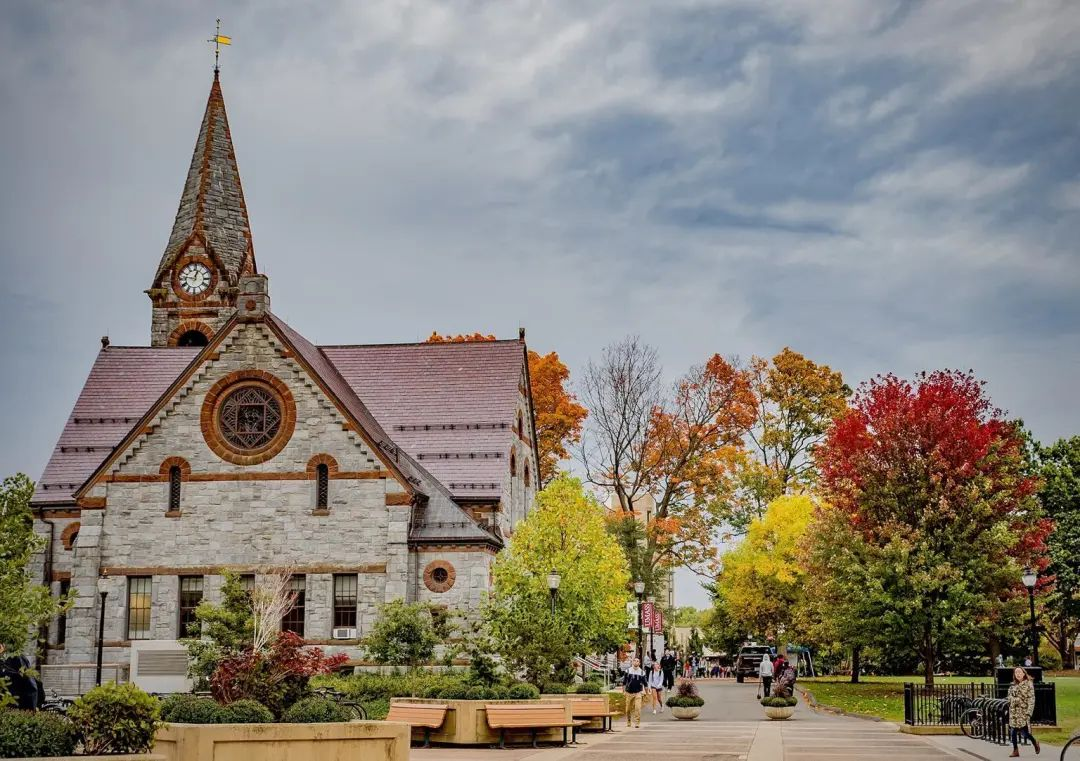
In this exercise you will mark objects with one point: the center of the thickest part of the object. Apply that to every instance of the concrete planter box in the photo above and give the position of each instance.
(355, 740)
(686, 713)
(466, 722)
(594, 723)
(121, 757)
(779, 713)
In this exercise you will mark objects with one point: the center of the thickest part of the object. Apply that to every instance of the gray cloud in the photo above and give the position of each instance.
(883, 186)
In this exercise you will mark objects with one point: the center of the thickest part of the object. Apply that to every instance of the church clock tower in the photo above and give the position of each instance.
(196, 284)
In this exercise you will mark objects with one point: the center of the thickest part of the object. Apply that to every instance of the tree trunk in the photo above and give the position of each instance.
(928, 655)
(1063, 642)
(856, 651)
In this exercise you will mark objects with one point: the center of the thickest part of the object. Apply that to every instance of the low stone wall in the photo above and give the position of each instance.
(355, 740)
(466, 722)
(120, 757)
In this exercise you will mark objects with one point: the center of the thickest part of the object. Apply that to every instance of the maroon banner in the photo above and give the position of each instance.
(658, 621)
(647, 616)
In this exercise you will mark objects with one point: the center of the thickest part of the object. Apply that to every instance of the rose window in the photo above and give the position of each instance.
(250, 417)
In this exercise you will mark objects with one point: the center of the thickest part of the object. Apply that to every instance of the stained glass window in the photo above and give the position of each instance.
(250, 417)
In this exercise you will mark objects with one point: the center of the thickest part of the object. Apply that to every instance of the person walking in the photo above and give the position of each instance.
(656, 688)
(634, 685)
(765, 672)
(1021, 707)
(668, 664)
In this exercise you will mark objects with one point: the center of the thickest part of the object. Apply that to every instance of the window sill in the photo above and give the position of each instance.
(320, 512)
(173, 514)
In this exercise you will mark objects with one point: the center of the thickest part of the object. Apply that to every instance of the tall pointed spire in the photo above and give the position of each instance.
(210, 248)
(212, 210)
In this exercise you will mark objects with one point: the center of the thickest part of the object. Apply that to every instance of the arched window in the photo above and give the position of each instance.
(513, 463)
(528, 479)
(174, 489)
(322, 486)
(521, 424)
(192, 338)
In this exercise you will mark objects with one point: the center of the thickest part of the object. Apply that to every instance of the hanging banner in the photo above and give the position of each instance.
(647, 611)
(631, 615)
(658, 621)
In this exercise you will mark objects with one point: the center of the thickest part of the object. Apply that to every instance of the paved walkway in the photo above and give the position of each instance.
(732, 728)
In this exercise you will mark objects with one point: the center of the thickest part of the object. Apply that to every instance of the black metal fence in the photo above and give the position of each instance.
(952, 704)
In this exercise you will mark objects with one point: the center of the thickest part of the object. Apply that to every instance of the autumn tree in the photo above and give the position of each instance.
(763, 579)
(1059, 468)
(564, 533)
(796, 401)
(934, 512)
(558, 416)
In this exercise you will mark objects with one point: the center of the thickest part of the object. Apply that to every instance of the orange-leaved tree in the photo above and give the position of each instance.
(558, 415)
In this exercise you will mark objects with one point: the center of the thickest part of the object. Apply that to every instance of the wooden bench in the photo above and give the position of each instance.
(427, 716)
(593, 708)
(530, 716)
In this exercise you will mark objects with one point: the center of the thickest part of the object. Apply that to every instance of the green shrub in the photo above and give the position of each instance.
(477, 692)
(315, 710)
(522, 691)
(377, 709)
(679, 701)
(190, 709)
(774, 702)
(553, 688)
(588, 688)
(116, 718)
(24, 733)
(368, 687)
(455, 692)
(1050, 658)
(246, 712)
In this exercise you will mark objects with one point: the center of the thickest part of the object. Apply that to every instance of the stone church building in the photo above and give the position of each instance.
(373, 472)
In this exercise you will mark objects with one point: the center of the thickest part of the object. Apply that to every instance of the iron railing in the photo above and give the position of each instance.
(981, 710)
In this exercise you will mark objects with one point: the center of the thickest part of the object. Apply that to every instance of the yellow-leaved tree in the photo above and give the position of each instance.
(763, 579)
(565, 533)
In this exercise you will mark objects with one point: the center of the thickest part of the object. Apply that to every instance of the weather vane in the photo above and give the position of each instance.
(218, 39)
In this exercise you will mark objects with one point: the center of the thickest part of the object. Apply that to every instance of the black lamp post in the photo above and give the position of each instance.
(553, 587)
(103, 593)
(1030, 579)
(639, 590)
(652, 601)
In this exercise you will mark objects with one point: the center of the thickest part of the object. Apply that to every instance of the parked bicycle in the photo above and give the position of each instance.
(56, 704)
(1074, 740)
(342, 700)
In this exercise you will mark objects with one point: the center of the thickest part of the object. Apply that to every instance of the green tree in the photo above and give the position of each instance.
(403, 635)
(25, 604)
(564, 533)
(687, 615)
(694, 644)
(718, 630)
(227, 630)
(1059, 467)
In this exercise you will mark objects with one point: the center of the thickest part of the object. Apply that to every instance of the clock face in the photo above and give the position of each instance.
(194, 278)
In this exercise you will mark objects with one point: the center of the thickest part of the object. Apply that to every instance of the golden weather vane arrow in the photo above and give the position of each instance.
(218, 39)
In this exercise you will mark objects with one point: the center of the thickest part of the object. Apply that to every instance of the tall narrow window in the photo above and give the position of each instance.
(513, 463)
(138, 607)
(528, 478)
(191, 594)
(61, 621)
(293, 620)
(174, 489)
(345, 600)
(322, 486)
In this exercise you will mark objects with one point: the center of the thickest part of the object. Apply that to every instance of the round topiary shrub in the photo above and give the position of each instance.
(776, 702)
(25, 733)
(588, 688)
(116, 718)
(454, 692)
(553, 688)
(191, 709)
(246, 712)
(522, 691)
(315, 710)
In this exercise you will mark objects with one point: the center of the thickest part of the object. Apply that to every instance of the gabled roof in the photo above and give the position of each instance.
(212, 206)
(123, 384)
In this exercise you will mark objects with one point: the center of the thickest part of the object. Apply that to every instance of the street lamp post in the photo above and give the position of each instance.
(553, 587)
(639, 590)
(103, 593)
(1030, 579)
(651, 601)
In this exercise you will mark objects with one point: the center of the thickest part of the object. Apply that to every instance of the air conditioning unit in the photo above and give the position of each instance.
(344, 633)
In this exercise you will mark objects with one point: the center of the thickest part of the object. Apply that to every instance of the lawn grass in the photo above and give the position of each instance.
(884, 696)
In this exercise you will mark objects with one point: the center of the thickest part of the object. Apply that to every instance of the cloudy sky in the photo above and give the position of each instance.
(883, 186)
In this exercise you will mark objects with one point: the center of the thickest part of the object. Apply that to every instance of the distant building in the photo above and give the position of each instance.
(644, 510)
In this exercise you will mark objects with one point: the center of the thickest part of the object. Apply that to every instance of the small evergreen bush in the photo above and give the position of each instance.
(25, 733)
(774, 702)
(458, 691)
(116, 718)
(315, 710)
(686, 696)
(191, 709)
(246, 712)
(522, 691)
(553, 688)
(588, 688)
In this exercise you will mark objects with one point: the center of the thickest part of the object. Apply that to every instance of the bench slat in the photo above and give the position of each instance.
(418, 714)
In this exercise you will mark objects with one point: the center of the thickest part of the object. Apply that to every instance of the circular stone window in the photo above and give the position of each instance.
(439, 576)
(248, 417)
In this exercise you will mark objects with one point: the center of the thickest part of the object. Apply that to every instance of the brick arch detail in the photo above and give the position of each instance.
(322, 459)
(216, 395)
(68, 535)
(175, 462)
(439, 586)
(189, 325)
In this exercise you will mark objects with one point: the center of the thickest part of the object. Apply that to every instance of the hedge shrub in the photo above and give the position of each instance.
(246, 712)
(315, 710)
(25, 733)
(522, 691)
(116, 718)
(553, 688)
(588, 688)
(190, 709)
(776, 702)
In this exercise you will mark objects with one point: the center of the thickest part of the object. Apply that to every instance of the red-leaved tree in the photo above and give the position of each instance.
(932, 515)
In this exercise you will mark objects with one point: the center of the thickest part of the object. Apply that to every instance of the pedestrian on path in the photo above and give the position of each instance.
(668, 663)
(656, 688)
(634, 685)
(765, 671)
(1021, 707)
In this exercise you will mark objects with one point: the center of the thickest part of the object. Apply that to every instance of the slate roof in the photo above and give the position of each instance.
(123, 384)
(212, 204)
(464, 394)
